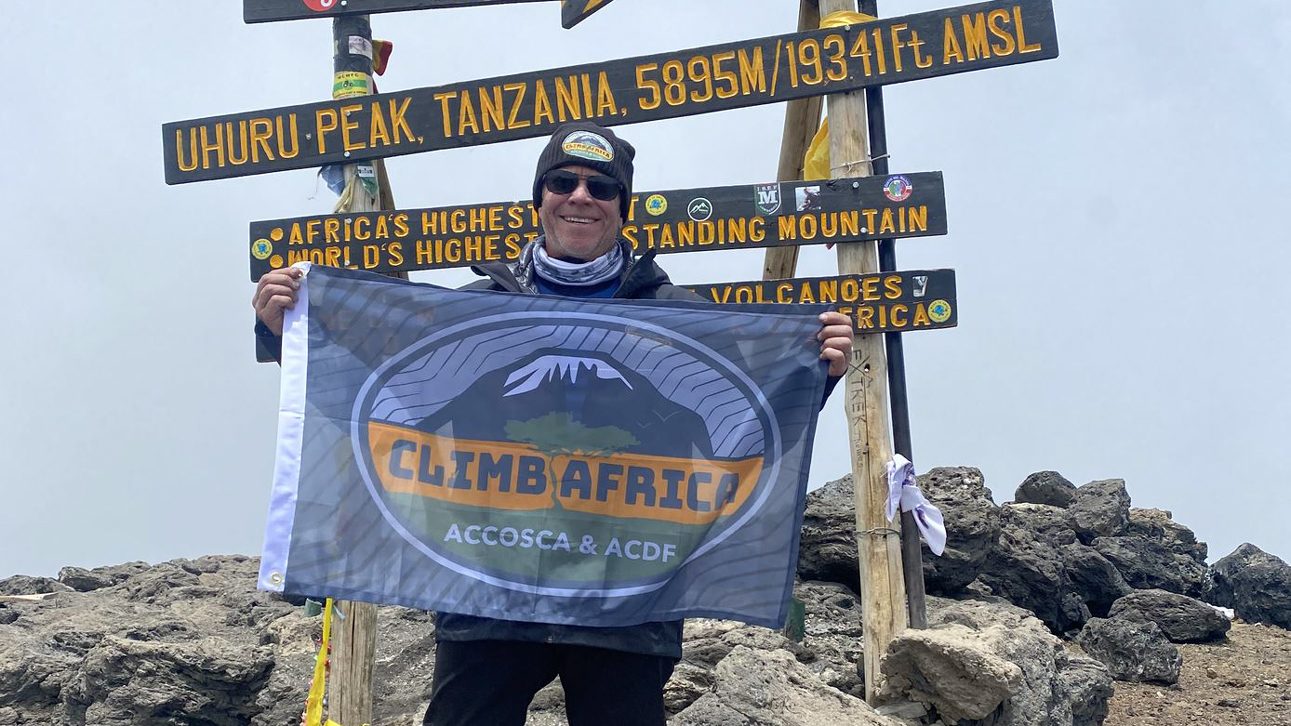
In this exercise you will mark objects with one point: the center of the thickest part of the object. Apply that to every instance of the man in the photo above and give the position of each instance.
(486, 670)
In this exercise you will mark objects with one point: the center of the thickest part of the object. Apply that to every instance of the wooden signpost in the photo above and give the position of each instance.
(632, 90)
(877, 303)
(684, 220)
(260, 11)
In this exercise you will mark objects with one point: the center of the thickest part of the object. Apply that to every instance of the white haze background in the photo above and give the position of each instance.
(1116, 223)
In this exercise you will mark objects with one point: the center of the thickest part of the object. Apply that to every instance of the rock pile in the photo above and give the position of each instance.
(192, 642)
(1126, 583)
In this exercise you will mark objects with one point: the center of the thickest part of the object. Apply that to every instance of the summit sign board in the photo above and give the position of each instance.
(262, 11)
(632, 90)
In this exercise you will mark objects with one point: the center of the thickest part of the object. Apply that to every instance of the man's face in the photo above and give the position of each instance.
(577, 225)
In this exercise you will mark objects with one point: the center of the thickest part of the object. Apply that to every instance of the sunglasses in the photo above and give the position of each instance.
(599, 186)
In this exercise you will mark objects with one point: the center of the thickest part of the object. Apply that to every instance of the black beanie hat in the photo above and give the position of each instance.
(585, 144)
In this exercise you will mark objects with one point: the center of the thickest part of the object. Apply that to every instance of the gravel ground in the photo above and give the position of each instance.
(1244, 680)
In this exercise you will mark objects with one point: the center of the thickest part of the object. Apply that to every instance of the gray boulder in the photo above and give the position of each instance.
(827, 547)
(972, 527)
(1158, 525)
(29, 585)
(1183, 619)
(83, 580)
(1093, 577)
(1133, 650)
(754, 688)
(1045, 487)
(1089, 685)
(1148, 564)
(1028, 571)
(1100, 509)
(990, 663)
(1254, 583)
(1048, 522)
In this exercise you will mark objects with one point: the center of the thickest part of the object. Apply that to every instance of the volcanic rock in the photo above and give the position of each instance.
(1159, 525)
(972, 527)
(1100, 509)
(1256, 584)
(1183, 619)
(1148, 564)
(1045, 487)
(985, 663)
(1133, 650)
(1093, 577)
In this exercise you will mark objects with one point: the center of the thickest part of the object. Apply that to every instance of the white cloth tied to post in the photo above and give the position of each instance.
(903, 492)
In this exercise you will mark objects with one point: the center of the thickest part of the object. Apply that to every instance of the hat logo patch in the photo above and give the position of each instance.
(588, 145)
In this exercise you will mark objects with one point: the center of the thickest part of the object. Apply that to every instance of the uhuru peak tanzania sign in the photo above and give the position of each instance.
(681, 220)
(633, 90)
(259, 11)
(594, 462)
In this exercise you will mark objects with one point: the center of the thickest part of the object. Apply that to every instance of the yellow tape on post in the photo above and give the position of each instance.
(314, 705)
(815, 164)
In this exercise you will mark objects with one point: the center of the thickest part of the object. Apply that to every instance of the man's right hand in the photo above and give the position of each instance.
(276, 294)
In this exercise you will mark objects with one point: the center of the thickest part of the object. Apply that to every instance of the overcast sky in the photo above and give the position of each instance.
(1112, 214)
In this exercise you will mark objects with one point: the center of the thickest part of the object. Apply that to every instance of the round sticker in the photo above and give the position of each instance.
(897, 188)
(939, 311)
(320, 6)
(656, 205)
(261, 249)
(699, 209)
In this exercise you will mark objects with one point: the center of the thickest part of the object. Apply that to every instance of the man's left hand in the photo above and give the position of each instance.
(835, 338)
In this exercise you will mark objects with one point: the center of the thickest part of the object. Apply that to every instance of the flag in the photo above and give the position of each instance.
(545, 459)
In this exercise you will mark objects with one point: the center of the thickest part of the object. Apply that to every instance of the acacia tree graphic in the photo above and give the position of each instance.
(559, 435)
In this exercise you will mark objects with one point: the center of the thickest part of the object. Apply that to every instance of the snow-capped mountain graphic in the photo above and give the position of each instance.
(550, 367)
(595, 391)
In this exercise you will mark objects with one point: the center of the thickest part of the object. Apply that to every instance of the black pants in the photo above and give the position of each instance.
(491, 682)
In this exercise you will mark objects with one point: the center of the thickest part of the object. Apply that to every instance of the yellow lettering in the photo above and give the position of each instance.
(443, 99)
(975, 36)
(491, 108)
(992, 22)
(892, 287)
(192, 150)
(325, 120)
(605, 103)
(753, 76)
(331, 230)
(788, 226)
(568, 103)
(918, 218)
(950, 49)
(541, 105)
(261, 132)
(1023, 46)
(784, 292)
(347, 126)
(397, 119)
(242, 136)
(282, 138)
(466, 116)
(378, 135)
(513, 122)
(208, 147)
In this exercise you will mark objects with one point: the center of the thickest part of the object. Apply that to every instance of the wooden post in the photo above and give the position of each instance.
(354, 639)
(883, 609)
(801, 118)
